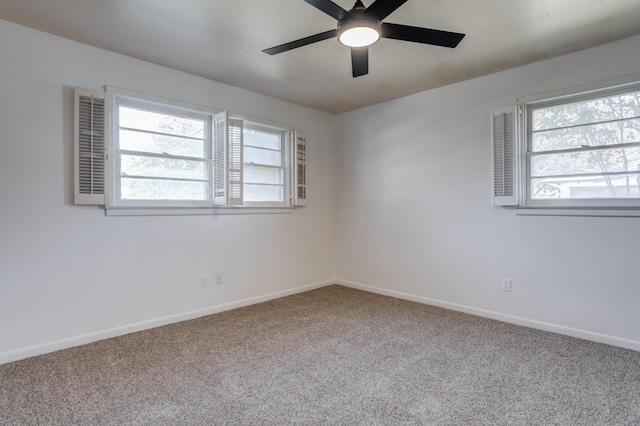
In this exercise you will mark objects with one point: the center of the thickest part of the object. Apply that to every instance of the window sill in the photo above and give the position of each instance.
(193, 211)
(578, 211)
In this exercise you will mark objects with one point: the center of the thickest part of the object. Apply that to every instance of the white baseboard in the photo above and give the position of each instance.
(57, 345)
(44, 348)
(526, 322)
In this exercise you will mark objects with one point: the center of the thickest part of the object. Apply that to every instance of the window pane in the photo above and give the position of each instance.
(263, 193)
(597, 161)
(138, 165)
(262, 156)
(588, 111)
(161, 144)
(262, 139)
(155, 189)
(254, 174)
(586, 187)
(164, 123)
(591, 135)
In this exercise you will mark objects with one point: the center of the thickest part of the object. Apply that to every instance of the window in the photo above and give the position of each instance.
(264, 174)
(163, 155)
(156, 153)
(585, 148)
(581, 150)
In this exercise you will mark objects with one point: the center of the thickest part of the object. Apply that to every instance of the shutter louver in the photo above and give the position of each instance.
(220, 131)
(504, 135)
(299, 170)
(234, 163)
(89, 147)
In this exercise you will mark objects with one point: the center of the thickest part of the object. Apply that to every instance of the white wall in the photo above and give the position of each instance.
(69, 272)
(415, 213)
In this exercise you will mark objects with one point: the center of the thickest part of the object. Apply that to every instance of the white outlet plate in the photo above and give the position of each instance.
(219, 278)
(206, 281)
(505, 284)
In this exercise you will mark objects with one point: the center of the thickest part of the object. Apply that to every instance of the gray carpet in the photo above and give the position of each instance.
(328, 356)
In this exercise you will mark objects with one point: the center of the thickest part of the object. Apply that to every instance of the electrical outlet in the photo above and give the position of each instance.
(219, 278)
(506, 284)
(206, 281)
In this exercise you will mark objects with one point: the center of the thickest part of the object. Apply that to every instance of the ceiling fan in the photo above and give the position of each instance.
(361, 27)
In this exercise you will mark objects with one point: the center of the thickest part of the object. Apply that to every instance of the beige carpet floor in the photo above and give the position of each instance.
(329, 356)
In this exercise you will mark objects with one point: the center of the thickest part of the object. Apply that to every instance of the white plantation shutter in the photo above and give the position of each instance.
(220, 132)
(504, 134)
(234, 163)
(89, 147)
(299, 169)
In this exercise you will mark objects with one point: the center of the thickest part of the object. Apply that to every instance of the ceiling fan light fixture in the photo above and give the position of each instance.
(359, 33)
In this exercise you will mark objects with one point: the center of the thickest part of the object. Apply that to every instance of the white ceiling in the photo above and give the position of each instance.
(222, 40)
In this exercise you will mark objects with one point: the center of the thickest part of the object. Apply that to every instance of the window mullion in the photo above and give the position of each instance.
(172, 135)
(587, 148)
(167, 156)
(592, 123)
(164, 178)
(572, 175)
(264, 166)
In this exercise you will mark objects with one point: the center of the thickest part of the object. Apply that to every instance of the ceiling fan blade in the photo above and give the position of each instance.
(421, 35)
(360, 61)
(330, 8)
(302, 42)
(380, 9)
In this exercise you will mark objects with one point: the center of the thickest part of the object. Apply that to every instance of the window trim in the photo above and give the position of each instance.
(598, 206)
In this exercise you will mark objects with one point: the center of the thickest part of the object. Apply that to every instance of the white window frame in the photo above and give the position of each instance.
(149, 103)
(528, 139)
(520, 174)
(285, 162)
(115, 206)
